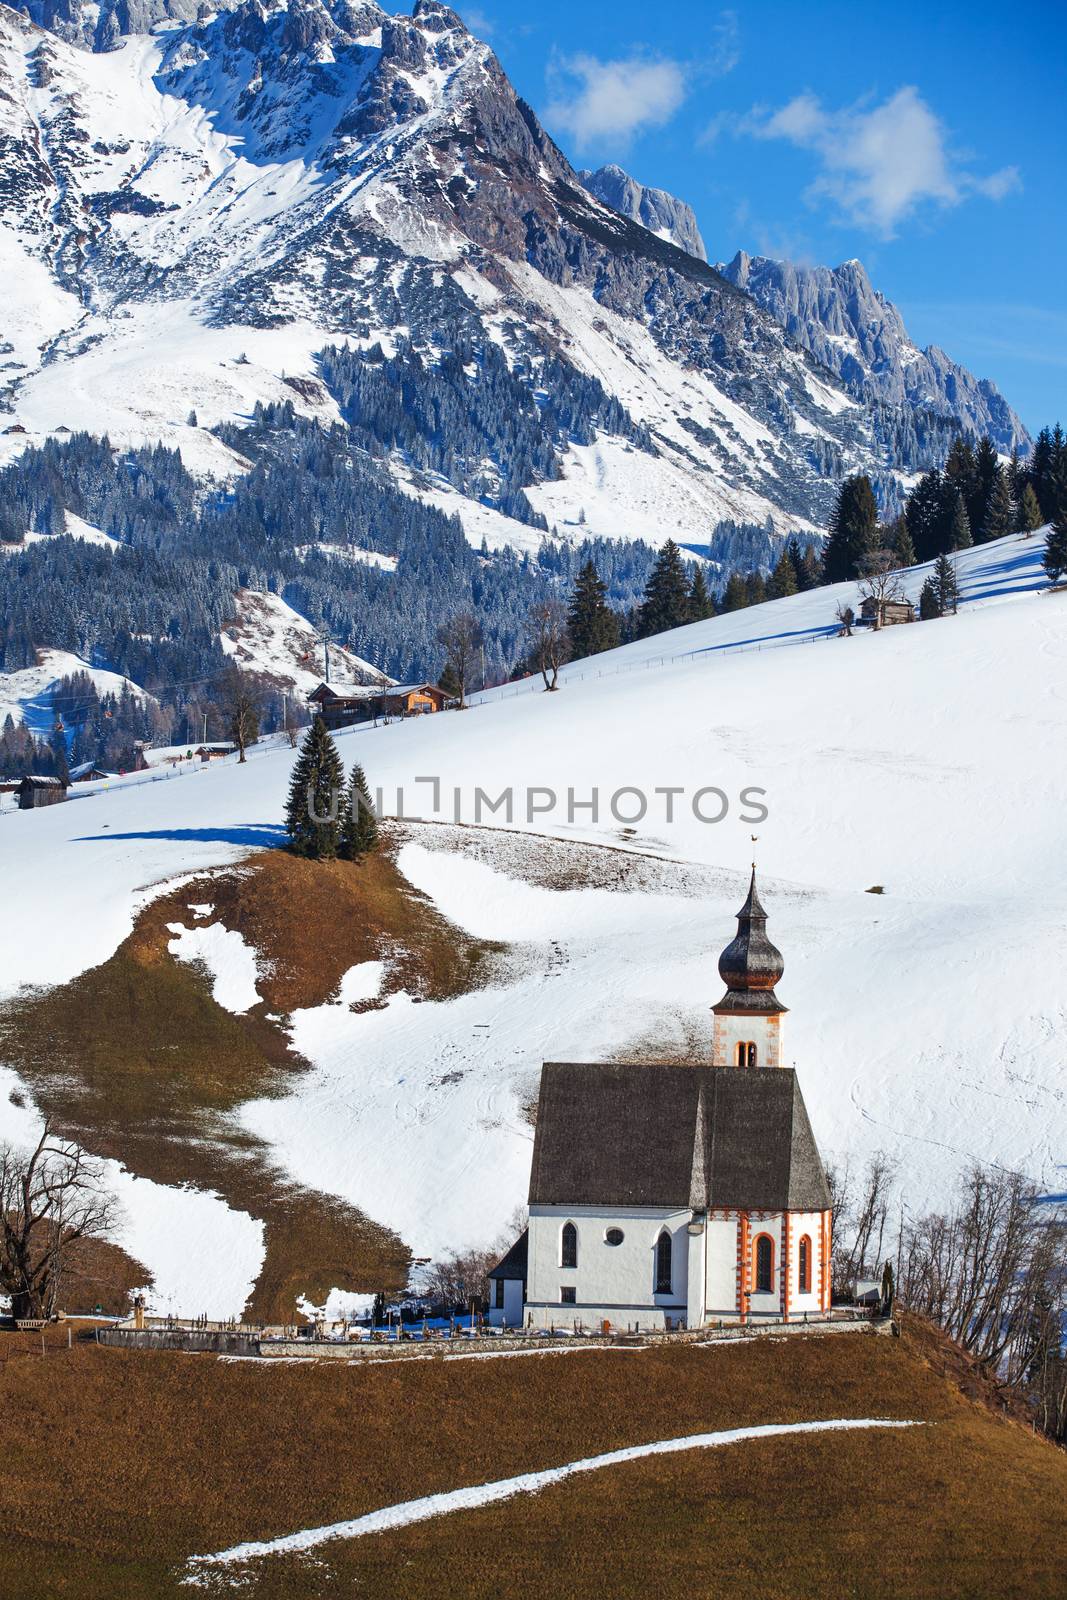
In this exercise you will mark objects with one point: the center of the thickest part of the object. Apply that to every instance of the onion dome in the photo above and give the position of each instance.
(750, 966)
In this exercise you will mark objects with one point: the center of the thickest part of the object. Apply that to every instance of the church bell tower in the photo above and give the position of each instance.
(748, 1018)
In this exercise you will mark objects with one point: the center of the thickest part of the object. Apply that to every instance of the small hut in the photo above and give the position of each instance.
(34, 792)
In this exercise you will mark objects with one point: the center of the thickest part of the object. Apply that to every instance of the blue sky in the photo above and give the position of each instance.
(926, 140)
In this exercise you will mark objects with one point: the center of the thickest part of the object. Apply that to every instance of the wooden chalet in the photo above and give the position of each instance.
(340, 706)
(886, 613)
(214, 752)
(35, 792)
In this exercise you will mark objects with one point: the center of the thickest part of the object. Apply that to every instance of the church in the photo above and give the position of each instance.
(671, 1195)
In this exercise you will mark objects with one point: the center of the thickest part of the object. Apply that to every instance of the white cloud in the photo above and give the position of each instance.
(879, 163)
(611, 100)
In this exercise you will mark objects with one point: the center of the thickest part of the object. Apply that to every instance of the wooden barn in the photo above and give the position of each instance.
(34, 792)
(340, 707)
(886, 613)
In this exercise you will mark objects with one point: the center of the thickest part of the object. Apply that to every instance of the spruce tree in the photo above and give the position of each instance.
(959, 527)
(900, 542)
(945, 586)
(735, 595)
(961, 469)
(784, 579)
(666, 602)
(359, 824)
(755, 589)
(987, 468)
(853, 528)
(1000, 514)
(701, 604)
(312, 818)
(805, 564)
(1056, 550)
(929, 606)
(448, 683)
(1029, 510)
(591, 623)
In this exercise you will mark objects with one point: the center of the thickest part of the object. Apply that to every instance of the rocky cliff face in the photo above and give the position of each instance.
(837, 314)
(661, 213)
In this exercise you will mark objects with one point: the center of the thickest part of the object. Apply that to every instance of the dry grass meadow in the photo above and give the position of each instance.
(135, 1060)
(116, 1466)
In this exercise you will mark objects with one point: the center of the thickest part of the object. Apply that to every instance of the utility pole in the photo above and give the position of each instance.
(326, 650)
(285, 711)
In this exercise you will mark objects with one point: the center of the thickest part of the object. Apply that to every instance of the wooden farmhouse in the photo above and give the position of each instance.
(341, 705)
(34, 792)
(886, 613)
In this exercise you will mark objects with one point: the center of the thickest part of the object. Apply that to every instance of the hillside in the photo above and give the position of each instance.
(916, 1491)
(922, 1018)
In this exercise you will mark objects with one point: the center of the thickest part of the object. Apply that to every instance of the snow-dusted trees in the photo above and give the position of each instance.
(51, 1198)
(666, 602)
(591, 623)
(359, 821)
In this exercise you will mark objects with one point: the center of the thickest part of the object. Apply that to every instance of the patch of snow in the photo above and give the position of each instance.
(230, 962)
(430, 1506)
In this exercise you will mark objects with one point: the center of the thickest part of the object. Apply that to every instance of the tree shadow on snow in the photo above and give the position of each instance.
(262, 835)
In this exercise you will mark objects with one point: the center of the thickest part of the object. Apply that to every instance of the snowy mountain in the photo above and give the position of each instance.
(857, 333)
(926, 1018)
(189, 218)
(661, 213)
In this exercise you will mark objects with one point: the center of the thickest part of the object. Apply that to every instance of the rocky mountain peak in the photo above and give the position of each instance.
(837, 314)
(661, 213)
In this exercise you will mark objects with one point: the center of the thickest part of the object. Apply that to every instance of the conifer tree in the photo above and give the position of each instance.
(1000, 514)
(853, 528)
(1056, 550)
(945, 586)
(359, 824)
(591, 623)
(735, 595)
(805, 564)
(784, 578)
(899, 541)
(701, 604)
(929, 606)
(755, 589)
(666, 602)
(959, 527)
(961, 469)
(312, 818)
(987, 469)
(448, 683)
(1029, 510)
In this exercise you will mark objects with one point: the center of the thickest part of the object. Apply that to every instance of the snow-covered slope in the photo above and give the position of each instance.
(29, 696)
(926, 1020)
(270, 639)
(187, 218)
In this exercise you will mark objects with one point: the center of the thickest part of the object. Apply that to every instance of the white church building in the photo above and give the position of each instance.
(670, 1195)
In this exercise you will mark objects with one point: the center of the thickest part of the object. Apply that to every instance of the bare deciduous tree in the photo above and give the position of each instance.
(461, 639)
(50, 1198)
(457, 1280)
(881, 582)
(549, 641)
(846, 617)
(242, 701)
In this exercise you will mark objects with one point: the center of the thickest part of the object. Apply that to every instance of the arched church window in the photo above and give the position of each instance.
(746, 1053)
(804, 1265)
(568, 1246)
(664, 1274)
(764, 1264)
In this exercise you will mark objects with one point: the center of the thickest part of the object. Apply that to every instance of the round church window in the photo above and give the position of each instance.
(614, 1236)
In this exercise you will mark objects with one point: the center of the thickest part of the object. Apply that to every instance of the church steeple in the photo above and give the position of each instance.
(748, 1017)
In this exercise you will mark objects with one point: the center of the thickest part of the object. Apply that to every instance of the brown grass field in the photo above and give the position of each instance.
(136, 1061)
(117, 1466)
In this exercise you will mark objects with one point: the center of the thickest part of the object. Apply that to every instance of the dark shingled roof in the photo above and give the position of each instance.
(513, 1265)
(751, 965)
(623, 1134)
